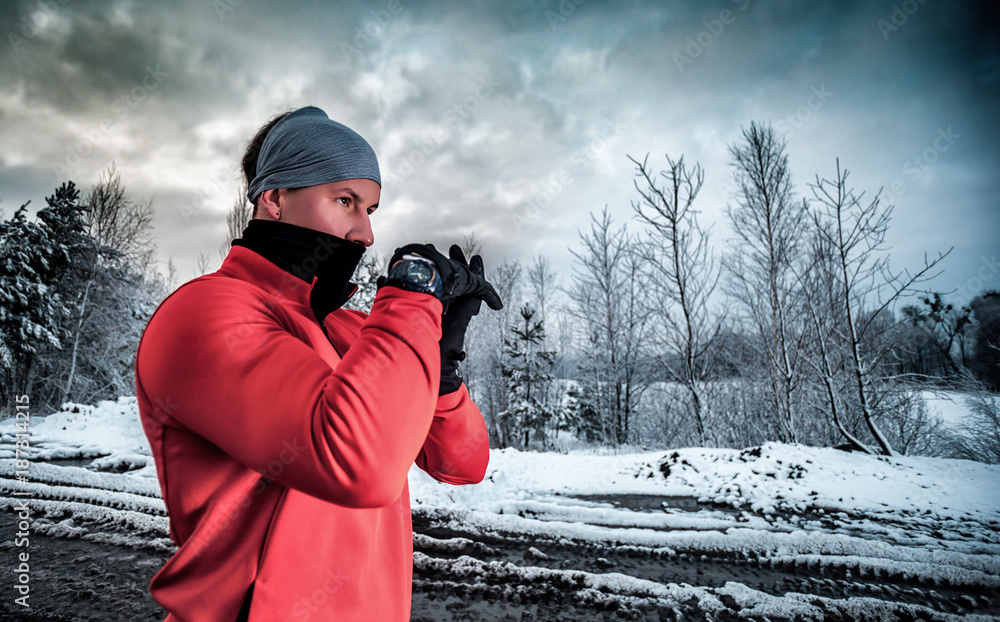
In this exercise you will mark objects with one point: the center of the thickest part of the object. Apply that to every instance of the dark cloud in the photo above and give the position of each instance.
(510, 119)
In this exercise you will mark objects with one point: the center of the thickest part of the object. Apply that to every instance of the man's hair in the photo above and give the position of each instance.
(253, 152)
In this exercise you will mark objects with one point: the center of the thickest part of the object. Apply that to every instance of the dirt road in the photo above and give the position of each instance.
(82, 570)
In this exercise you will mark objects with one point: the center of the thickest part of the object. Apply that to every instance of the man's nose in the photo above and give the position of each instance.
(361, 233)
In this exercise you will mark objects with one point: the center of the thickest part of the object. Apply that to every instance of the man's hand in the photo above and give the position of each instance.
(459, 279)
(465, 290)
(457, 315)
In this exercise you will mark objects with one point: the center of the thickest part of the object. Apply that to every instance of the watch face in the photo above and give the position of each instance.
(419, 272)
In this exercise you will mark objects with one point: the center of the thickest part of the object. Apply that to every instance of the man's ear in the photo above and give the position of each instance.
(268, 202)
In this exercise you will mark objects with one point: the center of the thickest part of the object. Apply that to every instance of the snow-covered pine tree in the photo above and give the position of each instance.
(31, 310)
(582, 414)
(112, 295)
(66, 220)
(371, 266)
(75, 293)
(527, 369)
(484, 344)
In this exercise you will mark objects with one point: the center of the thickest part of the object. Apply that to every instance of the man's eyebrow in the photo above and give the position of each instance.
(354, 195)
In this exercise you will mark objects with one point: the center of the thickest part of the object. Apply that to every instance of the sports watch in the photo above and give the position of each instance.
(417, 274)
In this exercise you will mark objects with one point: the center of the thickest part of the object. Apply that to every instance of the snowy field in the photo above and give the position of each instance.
(777, 532)
(949, 406)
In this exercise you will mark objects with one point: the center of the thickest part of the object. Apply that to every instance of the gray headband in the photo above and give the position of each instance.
(307, 148)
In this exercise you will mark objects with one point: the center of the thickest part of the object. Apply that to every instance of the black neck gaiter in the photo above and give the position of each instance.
(305, 253)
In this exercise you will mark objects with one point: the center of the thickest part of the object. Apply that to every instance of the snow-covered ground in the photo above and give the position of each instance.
(815, 532)
(950, 406)
(109, 433)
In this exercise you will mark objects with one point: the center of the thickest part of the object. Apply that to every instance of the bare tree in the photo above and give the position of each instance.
(119, 222)
(860, 287)
(945, 326)
(541, 280)
(170, 279)
(683, 276)
(470, 245)
(202, 267)
(822, 296)
(607, 296)
(119, 230)
(769, 224)
(237, 220)
(542, 284)
(482, 369)
(978, 436)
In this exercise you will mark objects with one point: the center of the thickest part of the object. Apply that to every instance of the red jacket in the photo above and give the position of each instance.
(282, 457)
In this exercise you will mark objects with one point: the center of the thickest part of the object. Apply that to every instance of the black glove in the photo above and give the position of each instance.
(459, 308)
(457, 315)
(459, 279)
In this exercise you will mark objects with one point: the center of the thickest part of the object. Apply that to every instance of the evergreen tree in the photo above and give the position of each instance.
(33, 259)
(65, 218)
(75, 293)
(109, 293)
(946, 327)
(582, 414)
(527, 368)
(29, 315)
(371, 266)
(985, 359)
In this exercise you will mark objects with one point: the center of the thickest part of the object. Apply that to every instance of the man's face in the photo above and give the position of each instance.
(340, 208)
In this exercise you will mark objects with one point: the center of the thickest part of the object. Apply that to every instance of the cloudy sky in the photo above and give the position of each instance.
(514, 120)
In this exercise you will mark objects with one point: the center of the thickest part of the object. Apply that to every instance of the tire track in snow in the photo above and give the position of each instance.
(844, 587)
(490, 569)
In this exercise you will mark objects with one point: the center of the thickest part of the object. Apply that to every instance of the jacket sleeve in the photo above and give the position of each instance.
(236, 377)
(457, 449)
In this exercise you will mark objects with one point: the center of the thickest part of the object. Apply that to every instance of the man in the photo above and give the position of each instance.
(282, 425)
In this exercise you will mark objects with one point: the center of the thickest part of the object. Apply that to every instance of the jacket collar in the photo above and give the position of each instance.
(247, 265)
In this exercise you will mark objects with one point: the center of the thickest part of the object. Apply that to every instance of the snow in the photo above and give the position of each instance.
(782, 477)
(927, 519)
(109, 430)
(614, 586)
(41, 472)
(948, 405)
(783, 505)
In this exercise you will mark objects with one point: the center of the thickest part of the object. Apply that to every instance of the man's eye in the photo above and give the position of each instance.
(344, 199)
